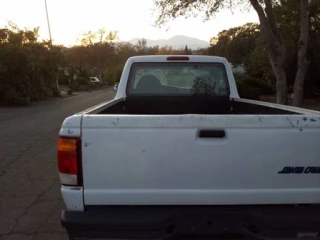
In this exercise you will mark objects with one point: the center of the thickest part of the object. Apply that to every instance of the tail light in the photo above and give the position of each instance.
(178, 58)
(69, 161)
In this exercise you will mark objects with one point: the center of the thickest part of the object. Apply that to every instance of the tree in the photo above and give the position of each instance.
(236, 44)
(78, 57)
(313, 75)
(27, 66)
(142, 46)
(165, 50)
(100, 48)
(257, 64)
(274, 42)
(302, 53)
(168, 50)
(287, 15)
(143, 49)
(187, 51)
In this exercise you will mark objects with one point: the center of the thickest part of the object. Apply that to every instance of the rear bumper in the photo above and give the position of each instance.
(160, 222)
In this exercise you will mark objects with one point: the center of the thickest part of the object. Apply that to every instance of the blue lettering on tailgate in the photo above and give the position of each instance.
(300, 170)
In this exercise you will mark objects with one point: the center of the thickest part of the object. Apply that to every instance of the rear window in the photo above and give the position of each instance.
(172, 79)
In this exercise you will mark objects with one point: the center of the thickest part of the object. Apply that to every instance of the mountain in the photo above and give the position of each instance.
(175, 42)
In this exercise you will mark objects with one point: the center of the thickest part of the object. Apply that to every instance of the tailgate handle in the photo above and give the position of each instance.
(212, 134)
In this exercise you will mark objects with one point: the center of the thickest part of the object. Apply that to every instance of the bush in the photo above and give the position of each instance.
(82, 81)
(25, 101)
(251, 88)
(113, 75)
(82, 84)
(27, 72)
(55, 92)
(64, 80)
(10, 96)
(247, 91)
(70, 92)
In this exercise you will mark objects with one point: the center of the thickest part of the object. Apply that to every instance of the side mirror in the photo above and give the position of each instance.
(115, 88)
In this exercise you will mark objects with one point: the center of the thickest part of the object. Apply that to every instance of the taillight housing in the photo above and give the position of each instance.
(178, 58)
(69, 161)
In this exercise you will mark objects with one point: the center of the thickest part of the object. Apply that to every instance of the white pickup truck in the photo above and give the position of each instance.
(178, 155)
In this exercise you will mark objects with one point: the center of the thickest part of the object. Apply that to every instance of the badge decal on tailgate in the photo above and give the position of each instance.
(300, 170)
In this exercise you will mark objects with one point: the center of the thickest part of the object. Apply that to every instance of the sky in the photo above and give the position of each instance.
(131, 18)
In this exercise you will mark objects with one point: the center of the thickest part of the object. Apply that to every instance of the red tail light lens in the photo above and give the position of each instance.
(69, 161)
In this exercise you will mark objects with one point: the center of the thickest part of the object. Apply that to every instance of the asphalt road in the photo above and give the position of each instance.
(30, 199)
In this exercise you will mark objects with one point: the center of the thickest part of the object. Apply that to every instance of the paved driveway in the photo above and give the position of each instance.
(30, 199)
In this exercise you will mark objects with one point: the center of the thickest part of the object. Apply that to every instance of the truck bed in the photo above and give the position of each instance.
(193, 105)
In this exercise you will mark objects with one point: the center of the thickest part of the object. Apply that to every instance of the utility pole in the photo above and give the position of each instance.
(45, 3)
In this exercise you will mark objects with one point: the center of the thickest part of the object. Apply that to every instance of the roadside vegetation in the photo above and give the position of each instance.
(31, 70)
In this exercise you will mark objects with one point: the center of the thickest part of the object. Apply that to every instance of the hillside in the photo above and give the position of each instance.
(176, 42)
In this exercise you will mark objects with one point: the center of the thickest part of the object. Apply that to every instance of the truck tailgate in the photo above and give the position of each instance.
(200, 159)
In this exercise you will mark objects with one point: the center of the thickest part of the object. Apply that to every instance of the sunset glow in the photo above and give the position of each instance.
(70, 18)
